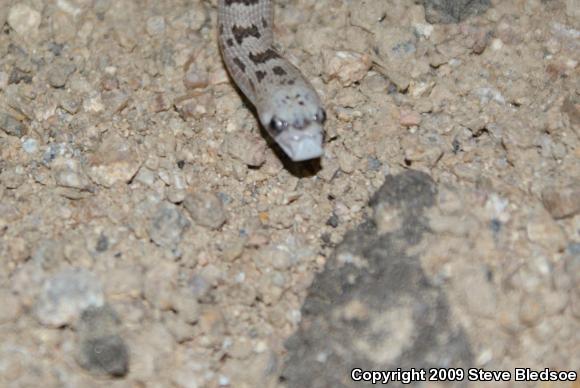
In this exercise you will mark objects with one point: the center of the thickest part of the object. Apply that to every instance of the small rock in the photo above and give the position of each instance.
(116, 160)
(241, 348)
(122, 283)
(347, 162)
(59, 73)
(160, 102)
(11, 125)
(69, 103)
(194, 78)
(65, 295)
(475, 291)
(24, 20)
(30, 145)
(155, 25)
(196, 107)
(145, 176)
(419, 89)
(482, 39)
(160, 285)
(116, 100)
(531, 310)
(176, 195)
(187, 307)
(333, 221)
(199, 286)
(180, 330)
(13, 177)
(48, 253)
(206, 209)
(346, 66)
(250, 150)
(233, 248)
(167, 225)
(423, 29)
(409, 118)
(562, 202)
(453, 11)
(542, 229)
(69, 173)
(101, 349)
(277, 256)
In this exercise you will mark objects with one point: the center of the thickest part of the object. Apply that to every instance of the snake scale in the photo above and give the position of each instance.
(287, 105)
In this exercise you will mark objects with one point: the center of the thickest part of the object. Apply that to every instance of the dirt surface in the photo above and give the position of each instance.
(151, 236)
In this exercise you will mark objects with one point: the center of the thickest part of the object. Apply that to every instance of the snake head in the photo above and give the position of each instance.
(294, 118)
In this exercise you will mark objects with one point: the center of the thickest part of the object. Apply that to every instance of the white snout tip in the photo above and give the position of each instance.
(302, 146)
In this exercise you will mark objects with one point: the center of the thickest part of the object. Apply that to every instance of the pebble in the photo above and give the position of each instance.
(199, 286)
(65, 295)
(116, 100)
(543, 230)
(167, 225)
(346, 66)
(101, 349)
(11, 125)
(48, 253)
(531, 310)
(476, 291)
(194, 78)
(155, 25)
(116, 160)
(123, 283)
(180, 330)
(145, 176)
(481, 41)
(423, 29)
(30, 145)
(24, 20)
(246, 148)
(409, 118)
(13, 177)
(176, 195)
(70, 104)
(160, 285)
(187, 307)
(59, 73)
(206, 209)
(562, 202)
(241, 348)
(178, 310)
(347, 162)
(196, 108)
(69, 173)
(278, 256)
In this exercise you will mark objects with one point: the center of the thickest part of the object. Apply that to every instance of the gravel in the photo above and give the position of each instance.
(144, 213)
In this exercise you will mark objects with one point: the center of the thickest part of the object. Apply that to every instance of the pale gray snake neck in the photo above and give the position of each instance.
(287, 105)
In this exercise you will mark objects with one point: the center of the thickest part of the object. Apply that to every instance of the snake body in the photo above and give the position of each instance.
(287, 105)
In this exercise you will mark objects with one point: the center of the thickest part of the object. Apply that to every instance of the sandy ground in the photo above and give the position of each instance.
(151, 236)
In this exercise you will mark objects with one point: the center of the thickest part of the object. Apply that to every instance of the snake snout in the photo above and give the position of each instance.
(301, 145)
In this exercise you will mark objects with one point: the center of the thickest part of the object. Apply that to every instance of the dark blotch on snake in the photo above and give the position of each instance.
(241, 33)
(240, 64)
(279, 71)
(260, 75)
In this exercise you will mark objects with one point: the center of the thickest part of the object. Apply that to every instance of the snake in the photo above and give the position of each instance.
(287, 105)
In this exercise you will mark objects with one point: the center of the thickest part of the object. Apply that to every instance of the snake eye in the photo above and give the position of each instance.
(277, 125)
(320, 116)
